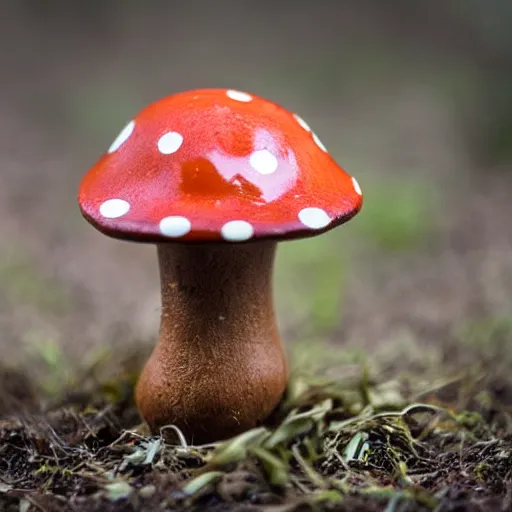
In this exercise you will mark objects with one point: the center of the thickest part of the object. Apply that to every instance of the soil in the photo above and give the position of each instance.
(433, 438)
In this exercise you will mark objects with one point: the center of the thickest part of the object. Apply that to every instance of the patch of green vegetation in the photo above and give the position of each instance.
(491, 329)
(315, 356)
(489, 337)
(310, 273)
(53, 368)
(309, 281)
(22, 283)
(397, 215)
(53, 372)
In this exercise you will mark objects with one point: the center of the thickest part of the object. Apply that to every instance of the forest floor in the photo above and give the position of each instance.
(431, 435)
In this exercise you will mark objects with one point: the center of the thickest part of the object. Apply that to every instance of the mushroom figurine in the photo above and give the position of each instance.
(215, 178)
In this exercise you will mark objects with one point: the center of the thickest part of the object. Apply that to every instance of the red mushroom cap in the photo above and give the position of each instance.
(214, 165)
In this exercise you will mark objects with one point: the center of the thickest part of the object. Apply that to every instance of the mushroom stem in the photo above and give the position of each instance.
(218, 368)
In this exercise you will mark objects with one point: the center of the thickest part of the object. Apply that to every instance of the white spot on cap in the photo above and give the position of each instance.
(319, 143)
(302, 122)
(175, 226)
(314, 218)
(122, 137)
(236, 231)
(263, 161)
(170, 142)
(114, 208)
(356, 186)
(238, 95)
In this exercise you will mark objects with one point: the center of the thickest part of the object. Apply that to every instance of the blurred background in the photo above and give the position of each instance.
(411, 97)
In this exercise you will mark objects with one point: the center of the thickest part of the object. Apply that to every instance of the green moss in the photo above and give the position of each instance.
(398, 215)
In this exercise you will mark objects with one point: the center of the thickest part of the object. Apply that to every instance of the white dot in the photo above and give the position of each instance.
(122, 137)
(263, 161)
(114, 208)
(319, 142)
(238, 95)
(175, 226)
(314, 218)
(302, 122)
(356, 186)
(237, 231)
(170, 142)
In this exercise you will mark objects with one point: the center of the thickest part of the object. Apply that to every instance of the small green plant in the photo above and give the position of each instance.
(53, 368)
(397, 215)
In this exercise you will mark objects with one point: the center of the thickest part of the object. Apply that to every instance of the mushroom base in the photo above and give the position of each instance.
(218, 368)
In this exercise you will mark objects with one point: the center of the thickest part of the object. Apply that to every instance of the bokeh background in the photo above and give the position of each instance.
(411, 97)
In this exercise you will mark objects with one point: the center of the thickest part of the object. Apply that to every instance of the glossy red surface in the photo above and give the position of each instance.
(248, 160)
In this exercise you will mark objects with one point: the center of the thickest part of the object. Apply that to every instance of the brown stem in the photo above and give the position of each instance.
(218, 368)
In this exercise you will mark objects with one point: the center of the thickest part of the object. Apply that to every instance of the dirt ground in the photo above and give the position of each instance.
(422, 435)
(429, 313)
